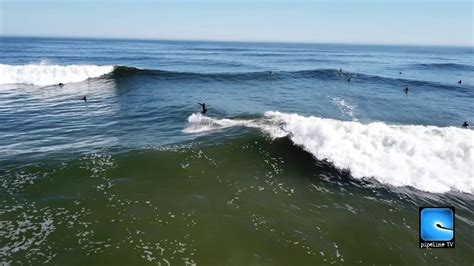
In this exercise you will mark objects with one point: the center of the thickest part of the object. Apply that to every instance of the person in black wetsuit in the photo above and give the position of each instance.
(465, 124)
(204, 108)
(406, 90)
(84, 98)
(60, 84)
(460, 82)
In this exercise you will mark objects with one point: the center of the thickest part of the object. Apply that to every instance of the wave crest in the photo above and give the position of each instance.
(43, 75)
(317, 74)
(446, 66)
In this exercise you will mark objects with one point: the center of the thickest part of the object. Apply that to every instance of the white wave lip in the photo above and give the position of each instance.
(428, 158)
(43, 75)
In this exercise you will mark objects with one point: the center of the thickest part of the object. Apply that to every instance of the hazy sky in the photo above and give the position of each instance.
(364, 21)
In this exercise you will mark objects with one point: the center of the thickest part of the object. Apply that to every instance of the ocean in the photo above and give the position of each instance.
(309, 154)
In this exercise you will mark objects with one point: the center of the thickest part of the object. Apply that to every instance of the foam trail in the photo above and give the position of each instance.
(43, 75)
(428, 158)
(345, 108)
(199, 123)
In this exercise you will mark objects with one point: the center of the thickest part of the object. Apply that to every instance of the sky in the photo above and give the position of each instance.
(339, 21)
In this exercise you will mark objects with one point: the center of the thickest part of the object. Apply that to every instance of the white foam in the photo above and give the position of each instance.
(345, 108)
(428, 158)
(42, 75)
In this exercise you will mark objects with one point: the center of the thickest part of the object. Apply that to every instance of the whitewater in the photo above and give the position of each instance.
(43, 74)
(428, 158)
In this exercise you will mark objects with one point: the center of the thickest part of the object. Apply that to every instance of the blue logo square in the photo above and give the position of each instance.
(437, 224)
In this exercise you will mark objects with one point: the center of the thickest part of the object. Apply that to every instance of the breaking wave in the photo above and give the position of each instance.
(43, 75)
(429, 158)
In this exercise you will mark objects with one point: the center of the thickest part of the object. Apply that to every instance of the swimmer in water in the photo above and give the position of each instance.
(465, 124)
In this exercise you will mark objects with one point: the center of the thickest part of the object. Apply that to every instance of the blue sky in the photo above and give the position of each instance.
(364, 21)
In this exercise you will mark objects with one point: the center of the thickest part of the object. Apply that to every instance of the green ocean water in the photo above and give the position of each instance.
(244, 201)
(294, 164)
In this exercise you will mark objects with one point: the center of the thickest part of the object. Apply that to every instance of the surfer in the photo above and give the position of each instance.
(60, 84)
(406, 90)
(84, 98)
(349, 79)
(270, 72)
(465, 124)
(204, 108)
(400, 72)
(460, 81)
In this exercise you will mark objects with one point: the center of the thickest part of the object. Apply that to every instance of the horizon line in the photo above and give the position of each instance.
(232, 41)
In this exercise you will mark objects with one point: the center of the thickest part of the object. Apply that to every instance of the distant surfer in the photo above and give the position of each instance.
(465, 124)
(349, 80)
(399, 73)
(204, 108)
(460, 81)
(406, 90)
(60, 84)
(270, 72)
(84, 98)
